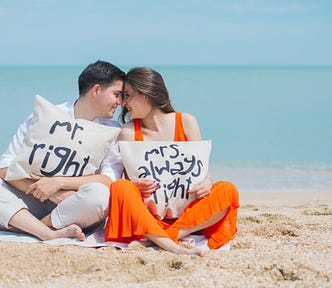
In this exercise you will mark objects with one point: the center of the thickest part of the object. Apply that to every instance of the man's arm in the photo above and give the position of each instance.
(22, 184)
(45, 187)
(69, 186)
(3, 172)
(69, 183)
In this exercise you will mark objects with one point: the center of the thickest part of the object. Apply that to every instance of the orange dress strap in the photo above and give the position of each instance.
(138, 130)
(179, 134)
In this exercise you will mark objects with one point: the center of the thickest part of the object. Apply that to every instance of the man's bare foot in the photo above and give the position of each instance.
(71, 231)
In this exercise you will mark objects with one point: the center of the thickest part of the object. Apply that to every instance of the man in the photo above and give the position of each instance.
(57, 207)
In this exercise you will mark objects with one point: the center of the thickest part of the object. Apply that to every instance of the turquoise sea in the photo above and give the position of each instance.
(271, 127)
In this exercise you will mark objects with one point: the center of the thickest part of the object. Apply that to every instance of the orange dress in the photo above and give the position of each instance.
(129, 219)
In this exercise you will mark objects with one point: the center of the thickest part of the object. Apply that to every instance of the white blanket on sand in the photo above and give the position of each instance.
(97, 240)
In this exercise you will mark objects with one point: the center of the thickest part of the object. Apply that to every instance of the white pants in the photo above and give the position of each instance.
(86, 207)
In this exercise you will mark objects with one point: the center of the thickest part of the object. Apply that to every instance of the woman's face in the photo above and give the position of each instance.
(137, 105)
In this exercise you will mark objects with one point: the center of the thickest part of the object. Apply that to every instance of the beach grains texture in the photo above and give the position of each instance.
(284, 240)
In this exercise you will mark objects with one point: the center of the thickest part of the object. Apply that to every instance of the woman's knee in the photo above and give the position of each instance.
(225, 186)
(121, 184)
(226, 190)
(124, 189)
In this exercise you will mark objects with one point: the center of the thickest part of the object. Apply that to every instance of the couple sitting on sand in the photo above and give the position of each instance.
(70, 206)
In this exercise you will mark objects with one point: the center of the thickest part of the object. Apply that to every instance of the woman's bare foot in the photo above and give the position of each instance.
(189, 251)
(71, 231)
(170, 246)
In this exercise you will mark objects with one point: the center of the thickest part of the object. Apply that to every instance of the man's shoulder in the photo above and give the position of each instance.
(68, 107)
(107, 121)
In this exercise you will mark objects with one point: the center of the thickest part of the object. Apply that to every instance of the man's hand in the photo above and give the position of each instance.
(59, 196)
(43, 187)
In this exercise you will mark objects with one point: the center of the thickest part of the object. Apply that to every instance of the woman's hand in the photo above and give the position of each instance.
(43, 187)
(202, 189)
(146, 186)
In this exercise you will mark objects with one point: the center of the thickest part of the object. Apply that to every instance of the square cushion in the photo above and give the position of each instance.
(58, 145)
(177, 166)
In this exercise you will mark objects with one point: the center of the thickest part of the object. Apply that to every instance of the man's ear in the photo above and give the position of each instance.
(95, 90)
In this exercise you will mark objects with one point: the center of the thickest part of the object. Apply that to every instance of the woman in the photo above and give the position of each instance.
(146, 102)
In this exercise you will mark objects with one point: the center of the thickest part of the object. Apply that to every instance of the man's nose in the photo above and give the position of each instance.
(120, 101)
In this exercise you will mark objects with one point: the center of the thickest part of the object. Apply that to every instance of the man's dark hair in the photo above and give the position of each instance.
(100, 72)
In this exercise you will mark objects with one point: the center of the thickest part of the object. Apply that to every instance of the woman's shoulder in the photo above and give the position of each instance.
(127, 125)
(127, 132)
(191, 127)
(188, 118)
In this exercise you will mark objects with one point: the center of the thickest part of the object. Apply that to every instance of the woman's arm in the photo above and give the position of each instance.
(192, 131)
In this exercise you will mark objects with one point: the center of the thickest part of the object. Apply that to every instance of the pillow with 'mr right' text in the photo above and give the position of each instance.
(58, 145)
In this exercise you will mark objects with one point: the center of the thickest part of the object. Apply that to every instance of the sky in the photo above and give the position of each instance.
(172, 32)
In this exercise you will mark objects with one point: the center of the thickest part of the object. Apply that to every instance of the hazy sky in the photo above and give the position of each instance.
(143, 32)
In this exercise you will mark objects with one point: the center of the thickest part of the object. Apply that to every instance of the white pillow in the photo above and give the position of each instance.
(57, 145)
(177, 166)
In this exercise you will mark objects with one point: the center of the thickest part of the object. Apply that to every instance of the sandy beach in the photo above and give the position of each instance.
(284, 240)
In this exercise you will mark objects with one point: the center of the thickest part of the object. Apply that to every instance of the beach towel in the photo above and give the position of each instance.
(96, 240)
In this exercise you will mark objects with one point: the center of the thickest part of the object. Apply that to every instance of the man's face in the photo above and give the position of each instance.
(108, 99)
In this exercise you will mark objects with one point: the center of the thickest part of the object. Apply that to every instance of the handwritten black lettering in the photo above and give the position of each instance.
(47, 156)
(62, 153)
(145, 172)
(153, 151)
(68, 127)
(169, 160)
(192, 163)
(74, 130)
(33, 152)
(175, 149)
(199, 169)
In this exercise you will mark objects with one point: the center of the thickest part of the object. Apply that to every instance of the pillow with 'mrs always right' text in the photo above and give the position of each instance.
(177, 166)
